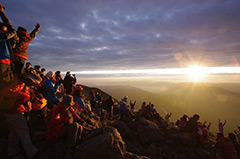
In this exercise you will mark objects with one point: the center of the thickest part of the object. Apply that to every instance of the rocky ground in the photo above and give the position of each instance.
(116, 139)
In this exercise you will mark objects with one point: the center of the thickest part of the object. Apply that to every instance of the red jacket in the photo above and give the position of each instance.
(58, 119)
(226, 147)
(18, 98)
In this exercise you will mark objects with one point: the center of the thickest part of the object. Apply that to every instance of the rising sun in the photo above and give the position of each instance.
(196, 73)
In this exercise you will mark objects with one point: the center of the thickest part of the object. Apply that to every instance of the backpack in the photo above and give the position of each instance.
(10, 94)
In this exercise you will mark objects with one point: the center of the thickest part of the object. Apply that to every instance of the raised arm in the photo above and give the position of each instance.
(35, 31)
(5, 19)
(224, 122)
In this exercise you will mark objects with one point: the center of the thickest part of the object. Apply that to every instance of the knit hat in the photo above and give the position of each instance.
(22, 29)
(50, 74)
(68, 100)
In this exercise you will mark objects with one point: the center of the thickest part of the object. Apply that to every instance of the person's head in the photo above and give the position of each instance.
(184, 117)
(144, 103)
(125, 98)
(43, 70)
(232, 136)
(58, 73)
(20, 28)
(37, 67)
(219, 134)
(196, 117)
(50, 74)
(67, 101)
(77, 93)
(152, 105)
(28, 65)
(68, 73)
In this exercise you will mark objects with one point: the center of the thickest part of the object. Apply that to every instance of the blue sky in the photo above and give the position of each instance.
(83, 35)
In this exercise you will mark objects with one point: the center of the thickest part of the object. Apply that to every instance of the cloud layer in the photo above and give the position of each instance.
(81, 35)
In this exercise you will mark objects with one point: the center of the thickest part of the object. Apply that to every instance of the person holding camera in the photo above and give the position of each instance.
(68, 82)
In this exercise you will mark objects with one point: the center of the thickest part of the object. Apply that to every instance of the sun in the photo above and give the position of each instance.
(196, 73)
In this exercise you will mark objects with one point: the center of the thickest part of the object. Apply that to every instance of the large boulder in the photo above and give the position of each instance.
(122, 127)
(104, 143)
(149, 132)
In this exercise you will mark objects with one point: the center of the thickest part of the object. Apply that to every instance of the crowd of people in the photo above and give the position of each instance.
(29, 90)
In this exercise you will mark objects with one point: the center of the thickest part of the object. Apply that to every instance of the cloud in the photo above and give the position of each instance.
(92, 34)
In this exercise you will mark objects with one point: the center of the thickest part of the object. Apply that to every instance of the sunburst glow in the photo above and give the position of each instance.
(196, 73)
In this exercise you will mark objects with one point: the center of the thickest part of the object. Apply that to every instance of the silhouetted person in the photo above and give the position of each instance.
(68, 82)
(109, 106)
(225, 146)
(233, 139)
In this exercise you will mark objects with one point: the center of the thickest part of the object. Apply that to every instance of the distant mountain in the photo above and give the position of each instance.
(233, 87)
(134, 93)
(87, 90)
(208, 100)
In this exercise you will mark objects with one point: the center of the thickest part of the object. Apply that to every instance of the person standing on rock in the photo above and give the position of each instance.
(68, 82)
(7, 33)
(109, 106)
(20, 51)
(124, 108)
(63, 123)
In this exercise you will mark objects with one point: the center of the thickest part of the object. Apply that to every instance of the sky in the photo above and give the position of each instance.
(110, 35)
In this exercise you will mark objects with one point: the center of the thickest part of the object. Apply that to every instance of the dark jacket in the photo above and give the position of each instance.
(68, 83)
(226, 147)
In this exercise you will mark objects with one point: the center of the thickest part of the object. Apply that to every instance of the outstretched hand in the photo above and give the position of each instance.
(37, 26)
(1, 7)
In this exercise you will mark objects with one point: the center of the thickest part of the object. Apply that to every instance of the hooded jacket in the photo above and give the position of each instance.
(58, 119)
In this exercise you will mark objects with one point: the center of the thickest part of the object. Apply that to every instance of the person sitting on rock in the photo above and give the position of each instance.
(50, 89)
(19, 96)
(153, 108)
(225, 146)
(183, 122)
(167, 117)
(192, 128)
(232, 137)
(27, 69)
(206, 129)
(64, 123)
